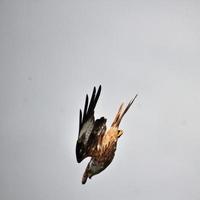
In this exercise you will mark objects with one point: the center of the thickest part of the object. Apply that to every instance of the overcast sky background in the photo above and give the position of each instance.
(53, 52)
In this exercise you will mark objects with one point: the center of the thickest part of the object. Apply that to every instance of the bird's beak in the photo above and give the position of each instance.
(120, 132)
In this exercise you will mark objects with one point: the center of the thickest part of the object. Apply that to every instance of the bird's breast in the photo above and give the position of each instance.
(107, 142)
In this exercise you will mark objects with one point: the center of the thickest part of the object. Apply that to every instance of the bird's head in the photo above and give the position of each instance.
(86, 175)
(119, 133)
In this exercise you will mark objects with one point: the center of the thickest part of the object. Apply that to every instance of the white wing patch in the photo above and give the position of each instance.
(86, 130)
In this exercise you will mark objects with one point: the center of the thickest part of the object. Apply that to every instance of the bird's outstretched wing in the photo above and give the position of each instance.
(89, 129)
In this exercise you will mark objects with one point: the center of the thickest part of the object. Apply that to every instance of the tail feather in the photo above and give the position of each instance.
(117, 117)
(121, 113)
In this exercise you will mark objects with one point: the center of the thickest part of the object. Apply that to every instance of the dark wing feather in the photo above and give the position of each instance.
(89, 111)
(85, 107)
(86, 124)
(98, 130)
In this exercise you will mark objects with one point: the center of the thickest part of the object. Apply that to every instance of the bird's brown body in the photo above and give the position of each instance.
(95, 140)
(103, 154)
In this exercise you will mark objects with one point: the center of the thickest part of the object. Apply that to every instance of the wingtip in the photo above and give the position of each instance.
(79, 155)
(86, 105)
(94, 89)
(99, 91)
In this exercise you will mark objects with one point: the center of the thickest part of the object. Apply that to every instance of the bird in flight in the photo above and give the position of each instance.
(95, 140)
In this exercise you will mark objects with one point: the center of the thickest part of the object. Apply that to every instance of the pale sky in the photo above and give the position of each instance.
(54, 52)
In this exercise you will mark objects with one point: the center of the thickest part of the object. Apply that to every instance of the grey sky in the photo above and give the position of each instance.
(53, 52)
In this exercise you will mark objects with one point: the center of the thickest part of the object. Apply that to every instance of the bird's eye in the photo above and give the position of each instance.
(120, 132)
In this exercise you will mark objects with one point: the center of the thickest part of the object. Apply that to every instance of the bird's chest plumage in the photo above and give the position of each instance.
(104, 151)
(103, 158)
(107, 145)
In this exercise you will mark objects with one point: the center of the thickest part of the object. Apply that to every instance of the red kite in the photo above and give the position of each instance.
(95, 140)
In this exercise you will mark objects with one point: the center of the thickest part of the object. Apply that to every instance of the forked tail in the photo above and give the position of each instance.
(121, 112)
